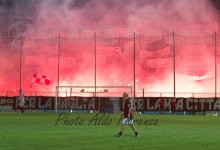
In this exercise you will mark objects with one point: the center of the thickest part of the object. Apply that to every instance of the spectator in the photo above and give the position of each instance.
(161, 105)
(173, 106)
(21, 101)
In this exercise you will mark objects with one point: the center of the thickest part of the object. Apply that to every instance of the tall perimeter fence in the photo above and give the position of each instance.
(171, 64)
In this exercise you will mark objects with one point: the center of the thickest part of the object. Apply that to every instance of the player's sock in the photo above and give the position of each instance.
(136, 134)
(119, 134)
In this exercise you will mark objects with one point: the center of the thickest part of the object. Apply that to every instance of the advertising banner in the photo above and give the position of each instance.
(112, 104)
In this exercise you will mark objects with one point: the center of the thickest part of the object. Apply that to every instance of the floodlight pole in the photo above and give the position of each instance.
(134, 64)
(215, 65)
(95, 61)
(21, 63)
(58, 73)
(174, 66)
(58, 67)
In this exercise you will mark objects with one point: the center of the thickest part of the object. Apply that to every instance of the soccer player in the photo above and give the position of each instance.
(21, 101)
(161, 105)
(173, 106)
(128, 116)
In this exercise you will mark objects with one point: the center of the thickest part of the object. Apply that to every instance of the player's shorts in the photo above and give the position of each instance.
(128, 121)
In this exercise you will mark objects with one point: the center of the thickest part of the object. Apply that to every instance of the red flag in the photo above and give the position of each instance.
(40, 79)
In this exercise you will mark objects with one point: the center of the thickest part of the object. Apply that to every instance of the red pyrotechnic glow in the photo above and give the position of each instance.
(68, 37)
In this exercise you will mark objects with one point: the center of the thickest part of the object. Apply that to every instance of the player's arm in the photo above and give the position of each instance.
(129, 112)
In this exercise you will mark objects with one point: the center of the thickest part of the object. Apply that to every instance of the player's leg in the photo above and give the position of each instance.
(174, 110)
(22, 110)
(134, 129)
(162, 108)
(122, 127)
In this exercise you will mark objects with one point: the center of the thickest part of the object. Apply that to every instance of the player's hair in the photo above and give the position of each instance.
(125, 94)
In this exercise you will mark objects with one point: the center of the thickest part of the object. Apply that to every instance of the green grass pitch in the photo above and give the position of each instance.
(96, 132)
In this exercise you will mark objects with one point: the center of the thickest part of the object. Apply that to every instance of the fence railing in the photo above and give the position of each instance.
(108, 94)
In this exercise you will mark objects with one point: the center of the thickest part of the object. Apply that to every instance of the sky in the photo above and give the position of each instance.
(157, 25)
